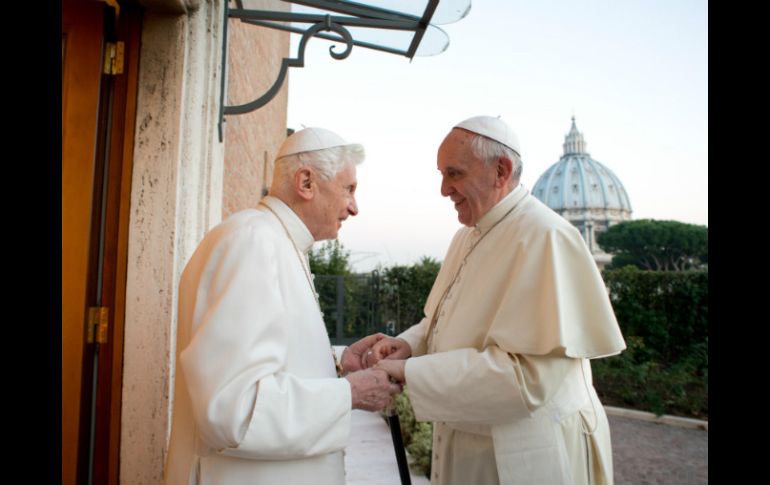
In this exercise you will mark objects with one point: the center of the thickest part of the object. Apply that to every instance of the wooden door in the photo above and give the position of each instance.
(82, 31)
(98, 111)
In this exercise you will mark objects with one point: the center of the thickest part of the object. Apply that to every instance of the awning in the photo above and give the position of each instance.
(402, 27)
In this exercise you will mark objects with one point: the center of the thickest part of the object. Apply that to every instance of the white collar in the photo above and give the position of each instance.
(297, 229)
(501, 208)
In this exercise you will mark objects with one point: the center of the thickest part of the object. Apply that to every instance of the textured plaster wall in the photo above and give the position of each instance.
(182, 184)
(252, 139)
(176, 196)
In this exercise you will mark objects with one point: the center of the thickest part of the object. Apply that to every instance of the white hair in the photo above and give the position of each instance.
(327, 162)
(489, 151)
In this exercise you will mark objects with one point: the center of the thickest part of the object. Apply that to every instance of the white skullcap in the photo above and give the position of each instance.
(312, 139)
(493, 128)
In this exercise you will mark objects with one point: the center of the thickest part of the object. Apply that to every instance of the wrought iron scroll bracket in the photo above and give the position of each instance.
(286, 63)
(354, 15)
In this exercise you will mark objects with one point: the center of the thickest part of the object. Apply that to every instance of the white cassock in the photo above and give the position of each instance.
(247, 315)
(505, 375)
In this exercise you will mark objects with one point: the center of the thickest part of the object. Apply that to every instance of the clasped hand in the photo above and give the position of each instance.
(375, 366)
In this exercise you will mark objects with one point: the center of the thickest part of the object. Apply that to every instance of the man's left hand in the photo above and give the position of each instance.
(352, 357)
(395, 368)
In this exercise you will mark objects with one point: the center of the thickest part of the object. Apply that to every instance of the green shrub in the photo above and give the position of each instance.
(421, 447)
(405, 416)
(669, 310)
(418, 436)
(664, 320)
(633, 380)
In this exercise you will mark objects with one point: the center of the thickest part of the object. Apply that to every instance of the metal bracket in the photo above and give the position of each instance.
(357, 15)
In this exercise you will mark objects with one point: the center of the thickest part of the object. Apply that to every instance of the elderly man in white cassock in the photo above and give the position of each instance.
(257, 397)
(500, 361)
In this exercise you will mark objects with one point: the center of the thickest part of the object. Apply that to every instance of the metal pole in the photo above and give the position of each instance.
(340, 305)
(398, 447)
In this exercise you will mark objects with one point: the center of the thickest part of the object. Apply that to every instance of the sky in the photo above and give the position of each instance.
(634, 73)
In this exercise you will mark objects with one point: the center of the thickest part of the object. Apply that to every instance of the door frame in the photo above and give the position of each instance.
(100, 405)
(119, 121)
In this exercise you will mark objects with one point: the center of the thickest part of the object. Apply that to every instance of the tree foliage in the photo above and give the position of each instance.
(656, 245)
(330, 265)
(330, 259)
(404, 291)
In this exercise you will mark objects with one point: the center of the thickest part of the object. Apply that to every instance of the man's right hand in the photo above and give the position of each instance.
(371, 389)
(387, 348)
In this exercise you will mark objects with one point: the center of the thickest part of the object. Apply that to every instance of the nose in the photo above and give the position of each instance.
(353, 207)
(446, 187)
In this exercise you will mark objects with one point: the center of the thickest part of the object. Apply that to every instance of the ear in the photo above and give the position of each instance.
(504, 172)
(305, 183)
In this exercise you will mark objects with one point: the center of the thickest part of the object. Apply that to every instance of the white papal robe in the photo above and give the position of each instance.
(505, 375)
(247, 315)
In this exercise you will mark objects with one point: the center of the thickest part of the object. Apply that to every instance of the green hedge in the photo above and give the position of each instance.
(669, 310)
(664, 318)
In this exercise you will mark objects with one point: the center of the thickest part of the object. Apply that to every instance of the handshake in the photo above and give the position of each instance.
(374, 366)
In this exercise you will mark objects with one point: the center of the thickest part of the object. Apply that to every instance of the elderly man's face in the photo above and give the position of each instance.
(335, 202)
(465, 179)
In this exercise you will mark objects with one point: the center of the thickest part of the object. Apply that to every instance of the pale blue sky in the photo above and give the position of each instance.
(634, 73)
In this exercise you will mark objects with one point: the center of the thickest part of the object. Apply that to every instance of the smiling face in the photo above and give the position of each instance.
(470, 183)
(334, 201)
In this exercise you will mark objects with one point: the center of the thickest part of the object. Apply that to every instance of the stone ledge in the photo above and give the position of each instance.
(665, 419)
(369, 456)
